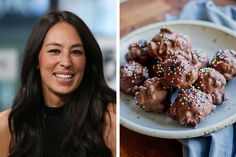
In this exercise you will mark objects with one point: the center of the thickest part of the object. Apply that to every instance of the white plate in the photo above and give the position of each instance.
(207, 36)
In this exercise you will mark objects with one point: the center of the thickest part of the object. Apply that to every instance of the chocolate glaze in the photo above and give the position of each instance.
(132, 75)
(157, 70)
(178, 72)
(151, 96)
(212, 82)
(202, 57)
(225, 62)
(191, 106)
(138, 52)
(167, 43)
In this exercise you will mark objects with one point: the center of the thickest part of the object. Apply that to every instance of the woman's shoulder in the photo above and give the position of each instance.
(110, 116)
(111, 108)
(4, 119)
(4, 132)
(110, 128)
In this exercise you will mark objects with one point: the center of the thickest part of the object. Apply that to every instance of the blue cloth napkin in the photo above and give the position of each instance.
(208, 11)
(223, 142)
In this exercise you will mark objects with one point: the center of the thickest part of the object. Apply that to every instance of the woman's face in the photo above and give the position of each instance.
(61, 61)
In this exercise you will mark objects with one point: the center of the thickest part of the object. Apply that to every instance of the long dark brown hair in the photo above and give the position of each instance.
(83, 130)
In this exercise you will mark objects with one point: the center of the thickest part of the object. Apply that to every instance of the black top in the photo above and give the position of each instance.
(52, 139)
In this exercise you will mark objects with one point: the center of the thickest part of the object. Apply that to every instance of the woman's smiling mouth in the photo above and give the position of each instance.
(63, 76)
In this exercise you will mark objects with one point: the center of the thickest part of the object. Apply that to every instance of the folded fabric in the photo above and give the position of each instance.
(221, 143)
(208, 11)
(217, 144)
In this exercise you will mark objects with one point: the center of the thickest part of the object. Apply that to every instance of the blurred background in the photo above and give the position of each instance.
(17, 18)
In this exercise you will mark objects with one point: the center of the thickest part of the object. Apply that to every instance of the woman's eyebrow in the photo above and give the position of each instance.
(77, 45)
(73, 46)
(54, 44)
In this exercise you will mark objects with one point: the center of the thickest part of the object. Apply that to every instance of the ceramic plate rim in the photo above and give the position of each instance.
(177, 134)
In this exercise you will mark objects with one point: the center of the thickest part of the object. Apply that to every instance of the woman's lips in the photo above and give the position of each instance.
(63, 76)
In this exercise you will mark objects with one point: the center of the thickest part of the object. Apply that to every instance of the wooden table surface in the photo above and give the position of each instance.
(138, 13)
(135, 14)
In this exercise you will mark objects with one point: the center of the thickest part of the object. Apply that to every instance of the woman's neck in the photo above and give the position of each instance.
(53, 100)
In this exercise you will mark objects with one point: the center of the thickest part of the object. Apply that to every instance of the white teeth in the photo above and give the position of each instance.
(63, 76)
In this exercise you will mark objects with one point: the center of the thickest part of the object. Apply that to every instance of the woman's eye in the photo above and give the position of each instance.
(77, 52)
(55, 51)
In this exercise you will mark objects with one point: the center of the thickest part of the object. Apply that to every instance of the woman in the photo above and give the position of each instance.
(63, 106)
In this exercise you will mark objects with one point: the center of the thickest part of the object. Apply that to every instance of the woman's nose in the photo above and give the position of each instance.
(65, 60)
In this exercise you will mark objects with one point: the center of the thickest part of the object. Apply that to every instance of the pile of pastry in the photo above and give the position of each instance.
(168, 63)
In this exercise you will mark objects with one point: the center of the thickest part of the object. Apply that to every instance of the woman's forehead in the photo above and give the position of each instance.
(62, 33)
